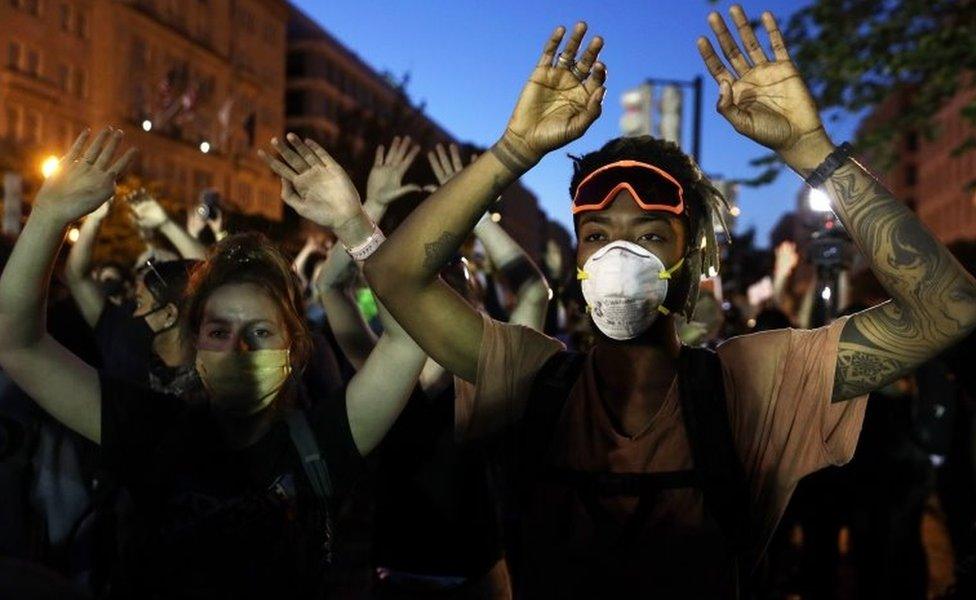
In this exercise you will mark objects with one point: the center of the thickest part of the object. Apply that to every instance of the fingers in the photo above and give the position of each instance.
(585, 64)
(394, 150)
(378, 161)
(729, 47)
(280, 168)
(549, 50)
(456, 159)
(753, 47)
(401, 151)
(445, 160)
(435, 166)
(727, 108)
(109, 149)
(122, 162)
(429, 188)
(712, 62)
(91, 155)
(322, 155)
(573, 44)
(287, 191)
(294, 161)
(775, 37)
(304, 151)
(409, 158)
(597, 78)
(78, 146)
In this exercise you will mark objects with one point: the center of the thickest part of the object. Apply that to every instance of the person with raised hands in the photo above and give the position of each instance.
(508, 258)
(150, 217)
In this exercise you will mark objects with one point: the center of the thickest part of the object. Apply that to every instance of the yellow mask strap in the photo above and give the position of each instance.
(581, 274)
(667, 273)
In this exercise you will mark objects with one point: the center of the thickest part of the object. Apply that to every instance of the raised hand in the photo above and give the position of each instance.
(385, 181)
(764, 100)
(85, 178)
(101, 212)
(313, 183)
(146, 210)
(560, 101)
(446, 166)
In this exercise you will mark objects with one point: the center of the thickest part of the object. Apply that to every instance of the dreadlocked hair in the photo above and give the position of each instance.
(705, 206)
(250, 258)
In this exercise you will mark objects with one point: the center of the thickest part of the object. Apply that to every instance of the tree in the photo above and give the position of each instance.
(856, 53)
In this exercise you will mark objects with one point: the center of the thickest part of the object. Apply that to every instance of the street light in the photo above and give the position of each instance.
(73, 234)
(204, 146)
(818, 201)
(49, 166)
(147, 125)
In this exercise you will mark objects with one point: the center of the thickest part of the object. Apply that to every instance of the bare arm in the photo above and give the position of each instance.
(317, 187)
(553, 109)
(55, 378)
(77, 271)
(503, 251)
(933, 298)
(331, 283)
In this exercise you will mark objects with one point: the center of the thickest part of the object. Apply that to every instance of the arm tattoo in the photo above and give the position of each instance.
(934, 299)
(438, 252)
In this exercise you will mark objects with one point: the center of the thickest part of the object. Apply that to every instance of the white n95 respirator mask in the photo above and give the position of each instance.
(625, 286)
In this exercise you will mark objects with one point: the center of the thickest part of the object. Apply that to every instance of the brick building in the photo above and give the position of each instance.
(926, 176)
(335, 97)
(196, 85)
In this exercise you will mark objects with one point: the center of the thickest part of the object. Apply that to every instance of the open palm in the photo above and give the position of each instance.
(765, 100)
(557, 106)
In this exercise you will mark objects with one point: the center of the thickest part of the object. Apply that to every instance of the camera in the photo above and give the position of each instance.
(829, 249)
(209, 206)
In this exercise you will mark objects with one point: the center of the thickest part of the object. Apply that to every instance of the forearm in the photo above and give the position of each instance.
(353, 334)
(188, 246)
(24, 282)
(78, 265)
(380, 390)
(430, 237)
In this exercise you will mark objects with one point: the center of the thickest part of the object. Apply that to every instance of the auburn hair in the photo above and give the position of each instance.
(250, 258)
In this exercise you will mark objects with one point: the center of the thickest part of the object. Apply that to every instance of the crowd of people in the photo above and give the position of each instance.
(420, 410)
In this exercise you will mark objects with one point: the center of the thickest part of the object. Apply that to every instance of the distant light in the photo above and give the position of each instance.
(825, 294)
(496, 217)
(204, 147)
(735, 211)
(712, 271)
(751, 323)
(552, 294)
(147, 125)
(50, 166)
(819, 201)
(73, 234)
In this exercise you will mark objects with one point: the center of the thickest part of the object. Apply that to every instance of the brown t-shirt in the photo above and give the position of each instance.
(778, 388)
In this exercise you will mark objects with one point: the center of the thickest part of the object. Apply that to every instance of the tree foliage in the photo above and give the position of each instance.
(854, 54)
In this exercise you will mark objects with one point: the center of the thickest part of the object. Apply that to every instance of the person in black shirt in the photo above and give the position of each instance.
(233, 489)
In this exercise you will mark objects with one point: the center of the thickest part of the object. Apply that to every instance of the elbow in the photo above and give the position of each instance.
(380, 273)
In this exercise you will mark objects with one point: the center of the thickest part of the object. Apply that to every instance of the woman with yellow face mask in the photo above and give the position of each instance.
(234, 487)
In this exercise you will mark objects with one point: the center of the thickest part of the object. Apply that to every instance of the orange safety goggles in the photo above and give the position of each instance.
(652, 188)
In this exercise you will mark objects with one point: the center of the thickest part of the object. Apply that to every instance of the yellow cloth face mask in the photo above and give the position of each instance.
(243, 383)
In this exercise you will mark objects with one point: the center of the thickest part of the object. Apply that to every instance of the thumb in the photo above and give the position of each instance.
(431, 188)
(406, 189)
(739, 118)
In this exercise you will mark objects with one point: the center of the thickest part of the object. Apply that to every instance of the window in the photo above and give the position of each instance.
(63, 77)
(13, 56)
(80, 83)
(81, 27)
(32, 127)
(66, 13)
(13, 123)
(33, 66)
(31, 6)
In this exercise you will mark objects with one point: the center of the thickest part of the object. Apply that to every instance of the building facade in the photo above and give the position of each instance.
(197, 86)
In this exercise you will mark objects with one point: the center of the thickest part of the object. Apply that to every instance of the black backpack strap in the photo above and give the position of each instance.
(548, 396)
(706, 419)
(313, 462)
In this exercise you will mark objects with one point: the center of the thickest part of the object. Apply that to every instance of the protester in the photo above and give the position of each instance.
(234, 492)
(623, 437)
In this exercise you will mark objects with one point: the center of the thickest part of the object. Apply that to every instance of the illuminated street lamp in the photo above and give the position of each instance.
(496, 217)
(818, 201)
(73, 234)
(49, 166)
(147, 125)
(205, 146)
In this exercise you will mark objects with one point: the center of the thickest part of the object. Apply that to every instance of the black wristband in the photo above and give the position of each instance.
(830, 164)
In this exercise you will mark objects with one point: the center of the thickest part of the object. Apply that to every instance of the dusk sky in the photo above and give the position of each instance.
(469, 59)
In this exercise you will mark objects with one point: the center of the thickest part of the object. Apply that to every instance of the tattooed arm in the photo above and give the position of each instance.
(554, 108)
(933, 298)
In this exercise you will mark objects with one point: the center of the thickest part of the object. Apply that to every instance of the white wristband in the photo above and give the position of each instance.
(368, 247)
(485, 218)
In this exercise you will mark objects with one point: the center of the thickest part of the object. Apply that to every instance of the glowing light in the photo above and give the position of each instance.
(147, 125)
(825, 294)
(204, 146)
(751, 323)
(735, 211)
(819, 201)
(712, 271)
(50, 166)
(496, 217)
(73, 235)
